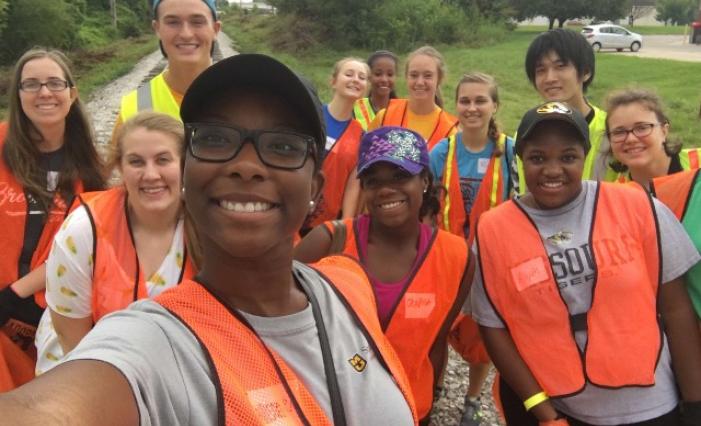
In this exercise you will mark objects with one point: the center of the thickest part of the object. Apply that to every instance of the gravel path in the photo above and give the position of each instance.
(103, 106)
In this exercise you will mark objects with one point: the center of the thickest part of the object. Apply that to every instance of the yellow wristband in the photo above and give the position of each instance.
(534, 400)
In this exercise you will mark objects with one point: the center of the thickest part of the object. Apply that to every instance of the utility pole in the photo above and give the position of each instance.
(113, 9)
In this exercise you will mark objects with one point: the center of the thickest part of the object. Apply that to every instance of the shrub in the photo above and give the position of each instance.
(50, 23)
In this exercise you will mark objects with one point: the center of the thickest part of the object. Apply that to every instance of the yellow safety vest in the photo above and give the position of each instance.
(363, 112)
(155, 95)
(597, 131)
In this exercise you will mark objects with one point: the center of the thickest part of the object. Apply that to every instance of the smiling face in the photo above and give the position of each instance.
(243, 208)
(150, 169)
(637, 151)
(556, 80)
(553, 162)
(186, 30)
(351, 81)
(382, 75)
(422, 78)
(45, 108)
(475, 106)
(393, 196)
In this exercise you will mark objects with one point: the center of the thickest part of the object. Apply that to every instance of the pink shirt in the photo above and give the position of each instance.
(388, 294)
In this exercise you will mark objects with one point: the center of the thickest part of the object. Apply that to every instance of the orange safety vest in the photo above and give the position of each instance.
(338, 165)
(452, 214)
(396, 115)
(254, 384)
(675, 190)
(117, 276)
(421, 311)
(13, 216)
(624, 337)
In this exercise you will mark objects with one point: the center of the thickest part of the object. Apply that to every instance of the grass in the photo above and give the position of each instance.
(676, 82)
(94, 68)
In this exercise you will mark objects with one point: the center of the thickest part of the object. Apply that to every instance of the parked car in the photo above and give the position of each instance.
(609, 36)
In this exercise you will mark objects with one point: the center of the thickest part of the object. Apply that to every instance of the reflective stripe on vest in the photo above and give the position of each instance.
(597, 131)
(156, 96)
(117, 277)
(490, 193)
(623, 334)
(363, 112)
(396, 115)
(422, 309)
(338, 166)
(254, 384)
(13, 217)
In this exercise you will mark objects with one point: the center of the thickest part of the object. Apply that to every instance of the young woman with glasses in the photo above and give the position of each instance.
(47, 158)
(255, 338)
(119, 245)
(638, 131)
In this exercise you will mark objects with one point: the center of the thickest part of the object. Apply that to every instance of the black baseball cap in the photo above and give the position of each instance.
(552, 111)
(256, 71)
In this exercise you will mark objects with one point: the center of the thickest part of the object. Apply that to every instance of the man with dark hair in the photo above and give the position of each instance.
(561, 65)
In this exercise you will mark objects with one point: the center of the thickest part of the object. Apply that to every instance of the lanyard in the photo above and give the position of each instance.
(339, 417)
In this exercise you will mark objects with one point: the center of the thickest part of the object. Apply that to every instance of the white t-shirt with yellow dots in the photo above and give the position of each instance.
(69, 286)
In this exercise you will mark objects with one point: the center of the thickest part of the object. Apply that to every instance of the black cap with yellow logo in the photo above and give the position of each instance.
(551, 111)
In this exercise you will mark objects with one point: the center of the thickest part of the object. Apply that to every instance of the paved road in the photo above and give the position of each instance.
(674, 47)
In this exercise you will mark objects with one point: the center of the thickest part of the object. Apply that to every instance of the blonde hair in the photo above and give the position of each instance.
(434, 54)
(482, 78)
(152, 121)
(341, 62)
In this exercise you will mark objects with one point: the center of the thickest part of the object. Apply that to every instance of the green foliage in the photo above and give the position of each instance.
(561, 11)
(397, 24)
(4, 5)
(677, 12)
(51, 23)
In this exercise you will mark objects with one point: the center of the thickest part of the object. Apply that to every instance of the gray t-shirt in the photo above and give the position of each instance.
(565, 234)
(172, 382)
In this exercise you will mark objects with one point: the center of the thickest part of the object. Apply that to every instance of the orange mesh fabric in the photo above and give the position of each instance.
(349, 280)
(251, 391)
(422, 311)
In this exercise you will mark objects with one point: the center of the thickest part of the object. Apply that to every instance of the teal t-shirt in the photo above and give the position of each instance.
(692, 224)
(471, 167)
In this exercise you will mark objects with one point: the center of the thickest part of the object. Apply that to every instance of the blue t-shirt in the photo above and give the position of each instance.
(334, 128)
(471, 166)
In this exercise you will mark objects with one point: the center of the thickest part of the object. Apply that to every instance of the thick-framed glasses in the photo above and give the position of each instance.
(32, 85)
(221, 142)
(640, 130)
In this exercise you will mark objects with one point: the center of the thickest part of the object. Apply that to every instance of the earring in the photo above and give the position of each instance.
(312, 205)
(425, 190)
(182, 193)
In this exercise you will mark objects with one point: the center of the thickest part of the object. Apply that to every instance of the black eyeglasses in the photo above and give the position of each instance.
(53, 84)
(220, 143)
(640, 130)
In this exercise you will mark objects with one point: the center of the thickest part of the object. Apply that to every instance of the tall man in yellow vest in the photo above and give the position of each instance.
(186, 30)
(560, 64)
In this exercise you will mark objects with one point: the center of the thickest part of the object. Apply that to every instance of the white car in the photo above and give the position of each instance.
(609, 36)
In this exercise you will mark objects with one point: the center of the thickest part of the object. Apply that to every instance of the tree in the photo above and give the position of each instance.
(677, 12)
(561, 11)
(57, 20)
(607, 10)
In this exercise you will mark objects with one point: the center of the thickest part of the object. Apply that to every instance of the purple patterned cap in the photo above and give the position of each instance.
(397, 145)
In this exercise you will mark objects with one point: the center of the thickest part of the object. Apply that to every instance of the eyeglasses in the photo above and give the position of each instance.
(640, 130)
(33, 85)
(219, 143)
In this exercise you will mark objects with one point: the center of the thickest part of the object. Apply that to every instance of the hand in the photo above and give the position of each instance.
(8, 301)
(691, 413)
